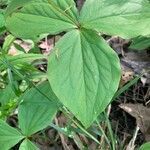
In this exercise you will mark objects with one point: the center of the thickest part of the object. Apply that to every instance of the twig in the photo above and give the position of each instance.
(131, 145)
(46, 41)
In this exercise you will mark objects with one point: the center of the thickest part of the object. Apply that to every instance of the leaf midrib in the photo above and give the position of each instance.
(83, 72)
(100, 80)
(59, 10)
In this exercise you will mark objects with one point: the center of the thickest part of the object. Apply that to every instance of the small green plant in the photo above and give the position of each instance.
(33, 116)
(83, 71)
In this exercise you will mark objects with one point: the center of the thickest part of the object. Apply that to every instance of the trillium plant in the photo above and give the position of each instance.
(83, 71)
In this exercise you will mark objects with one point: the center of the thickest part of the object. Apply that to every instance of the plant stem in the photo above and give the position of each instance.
(64, 110)
(103, 133)
(109, 128)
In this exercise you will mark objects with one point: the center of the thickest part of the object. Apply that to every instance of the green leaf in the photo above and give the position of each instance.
(69, 7)
(84, 74)
(16, 5)
(2, 21)
(8, 42)
(27, 145)
(6, 61)
(6, 95)
(2, 30)
(126, 18)
(37, 109)
(140, 43)
(28, 19)
(9, 136)
(4, 2)
(145, 146)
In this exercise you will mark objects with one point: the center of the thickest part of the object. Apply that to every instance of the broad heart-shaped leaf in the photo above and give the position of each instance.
(27, 145)
(126, 18)
(37, 109)
(32, 18)
(84, 73)
(8, 136)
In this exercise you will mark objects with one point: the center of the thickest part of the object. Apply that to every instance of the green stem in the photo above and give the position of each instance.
(79, 126)
(103, 132)
(110, 131)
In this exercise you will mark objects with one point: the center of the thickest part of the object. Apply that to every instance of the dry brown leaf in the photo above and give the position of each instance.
(127, 75)
(47, 45)
(26, 45)
(142, 115)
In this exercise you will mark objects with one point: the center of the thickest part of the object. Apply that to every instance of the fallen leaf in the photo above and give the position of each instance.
(127, 75)
(142, 115)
